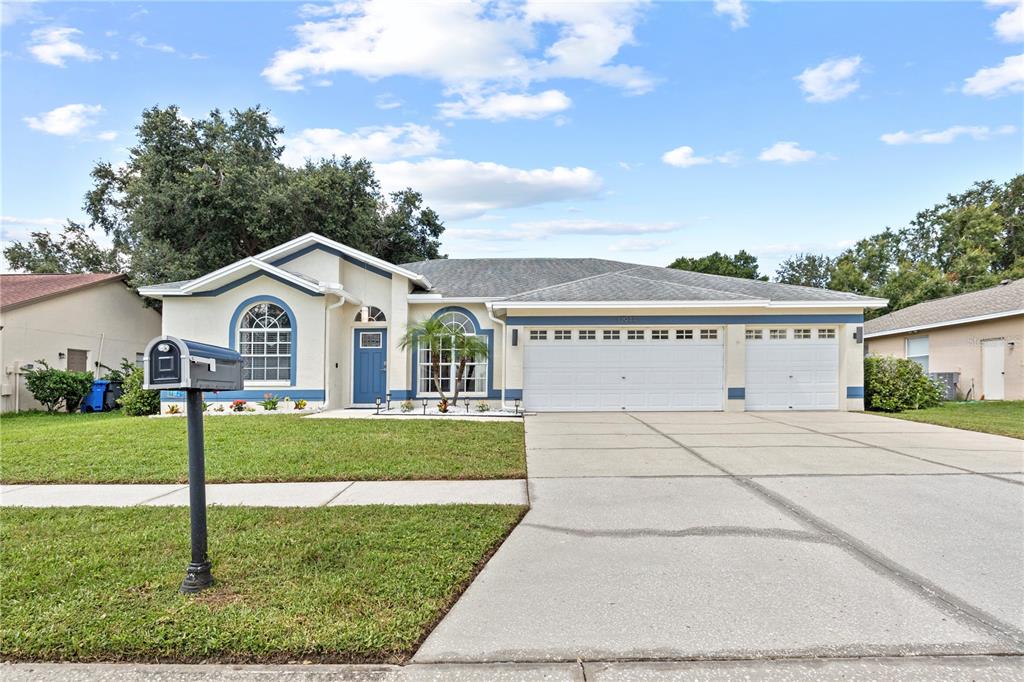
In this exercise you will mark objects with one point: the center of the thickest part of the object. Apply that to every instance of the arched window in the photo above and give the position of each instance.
(265, 342)
(369, 313)
(474, 378)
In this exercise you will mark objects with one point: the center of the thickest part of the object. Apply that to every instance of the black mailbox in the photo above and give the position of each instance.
(172, 363)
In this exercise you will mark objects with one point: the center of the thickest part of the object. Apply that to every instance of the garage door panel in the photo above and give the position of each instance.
(792, 374)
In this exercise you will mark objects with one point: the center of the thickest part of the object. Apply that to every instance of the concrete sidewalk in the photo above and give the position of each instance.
(312, 494)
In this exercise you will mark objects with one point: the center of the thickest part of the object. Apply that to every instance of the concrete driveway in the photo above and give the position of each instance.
(661, 536)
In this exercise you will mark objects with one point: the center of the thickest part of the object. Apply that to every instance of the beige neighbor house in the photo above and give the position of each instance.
(79, 322)
(321, 321)
(978, 335)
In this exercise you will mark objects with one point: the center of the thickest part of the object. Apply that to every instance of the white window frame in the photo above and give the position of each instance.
(919, 358)
(708, 334)
(659, 335)
(242, 342)
(587, 335)
(374, 315)
(476, 369)
(684, 335)
(636, 334)
(754, 335)
(563, 335)
(801, 334)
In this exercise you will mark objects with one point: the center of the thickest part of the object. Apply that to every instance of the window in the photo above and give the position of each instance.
(684, 334)
(755, 334)
(801, 333)
(563, 335)
(538, 335)
(370, 339)
(587, 335)
(610, 334)
(659, 335)
(635, 335)
(708, 334)
(474, 378)
(917, 350)
(777, 334)
(826, 333)
(140, 359)
(369, 313)
(265, 342)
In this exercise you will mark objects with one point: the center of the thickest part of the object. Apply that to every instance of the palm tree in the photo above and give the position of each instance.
(442, 340)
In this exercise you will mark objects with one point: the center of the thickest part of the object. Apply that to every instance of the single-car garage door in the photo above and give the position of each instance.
(792, 368)
(623, 369)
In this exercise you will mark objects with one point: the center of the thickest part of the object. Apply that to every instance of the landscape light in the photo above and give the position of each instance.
(517, 405)
(377, 403)
(424, 406)
(387, 397)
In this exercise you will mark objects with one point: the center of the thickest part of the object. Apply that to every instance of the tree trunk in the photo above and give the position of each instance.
(458, 379)
(435, 366)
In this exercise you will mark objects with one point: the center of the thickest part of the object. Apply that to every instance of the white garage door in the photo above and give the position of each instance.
(792, 369)
(623, 369)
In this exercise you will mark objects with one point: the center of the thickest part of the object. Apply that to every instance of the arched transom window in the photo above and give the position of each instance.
(370, 313)
(474, 378)
(265, 342)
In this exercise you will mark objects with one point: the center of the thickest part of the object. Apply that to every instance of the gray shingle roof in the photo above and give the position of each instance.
(1003, 298)
(594, 279)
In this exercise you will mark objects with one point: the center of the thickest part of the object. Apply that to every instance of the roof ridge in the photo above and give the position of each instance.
(691, 286)
(574, 281)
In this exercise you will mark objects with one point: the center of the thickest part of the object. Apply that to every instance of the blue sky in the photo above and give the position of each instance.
(633, 131)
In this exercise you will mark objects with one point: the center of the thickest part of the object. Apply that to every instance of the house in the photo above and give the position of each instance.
(83, 322)
(977, 335)
(321, 321)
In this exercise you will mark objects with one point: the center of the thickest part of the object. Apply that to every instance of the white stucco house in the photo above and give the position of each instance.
(321, 321)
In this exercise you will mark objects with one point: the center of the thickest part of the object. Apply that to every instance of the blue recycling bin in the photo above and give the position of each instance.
(94, 399)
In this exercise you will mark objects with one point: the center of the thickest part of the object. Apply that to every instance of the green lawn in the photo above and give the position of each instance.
(338, 584)
(111, 448)
(1003, 417)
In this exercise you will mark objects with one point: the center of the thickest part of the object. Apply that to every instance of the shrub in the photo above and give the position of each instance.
(896, 384)
(300, 404)
(269, 401)
(238, 406)
(442, 406)
(57, 388)
(483, 406)
(135, 400)
(407, 406)
(173, 409)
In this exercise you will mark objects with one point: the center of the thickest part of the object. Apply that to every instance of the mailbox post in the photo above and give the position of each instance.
(170, 363)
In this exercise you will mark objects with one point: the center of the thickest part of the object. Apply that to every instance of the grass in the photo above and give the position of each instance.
(112, 448)
(333, 584)
(1002, 417)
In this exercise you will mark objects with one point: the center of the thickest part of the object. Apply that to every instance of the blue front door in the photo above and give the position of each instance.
(369, 370)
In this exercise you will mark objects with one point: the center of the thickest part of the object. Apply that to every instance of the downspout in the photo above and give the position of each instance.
(504, 352)
(327, 363)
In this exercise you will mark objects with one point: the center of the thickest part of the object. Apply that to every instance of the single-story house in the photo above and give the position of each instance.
(82, 322)
(977, 335)
(321, 321)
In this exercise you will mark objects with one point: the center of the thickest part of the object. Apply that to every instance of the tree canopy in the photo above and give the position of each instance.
(196, 195)
(742, 265)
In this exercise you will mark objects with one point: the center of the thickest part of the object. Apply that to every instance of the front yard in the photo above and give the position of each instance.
(111, 448)
(1003, 417)
(356, 584)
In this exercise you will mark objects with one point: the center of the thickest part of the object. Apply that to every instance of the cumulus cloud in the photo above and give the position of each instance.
(831, 80)
(634, 244)
(468, 47)
(501, 106)
(1009, 26)
(994, 81)
(786, 152)
(736, 10)
(108, 135)
(684, 157)
(69, 119)
(946, 136)
(379, 143)
(54, 45)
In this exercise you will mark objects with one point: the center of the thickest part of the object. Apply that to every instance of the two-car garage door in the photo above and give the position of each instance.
(624, 369)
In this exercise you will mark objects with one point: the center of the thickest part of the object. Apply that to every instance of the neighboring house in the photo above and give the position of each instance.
(976, 335)
(321, 321)
(80, 322)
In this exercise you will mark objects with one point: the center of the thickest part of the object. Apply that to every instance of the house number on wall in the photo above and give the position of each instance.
(627, 320)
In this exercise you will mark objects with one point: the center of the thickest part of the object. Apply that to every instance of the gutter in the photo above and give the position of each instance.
(504, 351)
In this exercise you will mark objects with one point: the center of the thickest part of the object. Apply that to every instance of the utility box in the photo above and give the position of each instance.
(172, 363)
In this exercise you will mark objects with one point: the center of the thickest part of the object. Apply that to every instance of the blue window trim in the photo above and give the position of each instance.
(737, 392)
(487, 333)
(333, 251)
(228, 396)
(250, 277)
(540, 320)
(248, 303)
(854, 391)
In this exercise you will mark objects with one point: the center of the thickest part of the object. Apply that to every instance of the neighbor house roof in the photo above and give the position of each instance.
(998, 301)
(550, 280)
(18, 290)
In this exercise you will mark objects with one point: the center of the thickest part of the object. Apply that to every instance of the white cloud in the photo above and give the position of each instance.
(502, 105)
(13, 228)
(999, 80)
(545, 229)
(632, 244)
(458, 188)
(831, 80)
(736, 10)
(684, 157)
(945, 136)
(1009, 26)
(380, 143)
(13, 12)
(786, 152)
(69, 119)
(108, 135)
(468, 47)
(56, 44)
(143, 42)
(387, 101)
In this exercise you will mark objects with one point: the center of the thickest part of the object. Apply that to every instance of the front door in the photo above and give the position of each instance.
(992, 368)
(369, 366)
